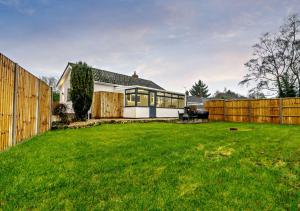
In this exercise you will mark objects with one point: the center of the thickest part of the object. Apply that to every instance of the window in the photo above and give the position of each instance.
(142, 100)
(130, 91)
(69, 95)
(160, 102)
(142, 91)
(168, 102)
(181, 103)
(174, 103)
(130, 99)
(152, 99)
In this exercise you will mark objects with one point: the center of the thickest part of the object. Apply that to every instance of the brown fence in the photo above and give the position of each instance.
(277, 111)
(107, 105)
(25, 104)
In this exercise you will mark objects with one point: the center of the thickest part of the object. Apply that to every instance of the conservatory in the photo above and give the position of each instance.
(143, 102)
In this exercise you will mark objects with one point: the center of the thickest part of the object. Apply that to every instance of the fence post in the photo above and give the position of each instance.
(225, 110)
(38, 108)
(280, 111)
(15, 99)
(51, 107)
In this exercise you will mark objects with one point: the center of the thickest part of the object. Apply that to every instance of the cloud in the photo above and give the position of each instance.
(171, 42)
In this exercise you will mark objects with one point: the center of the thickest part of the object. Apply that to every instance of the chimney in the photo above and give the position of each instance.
(135, 75)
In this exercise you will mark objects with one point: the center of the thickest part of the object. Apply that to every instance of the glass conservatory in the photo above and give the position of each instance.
(145, 103)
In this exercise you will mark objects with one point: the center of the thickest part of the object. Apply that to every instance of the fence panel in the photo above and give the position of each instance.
(276, 111)
(107, 105)
(237, 111)
(291, 111)
(45, 98)
(266, 111)
(7, 70)
(25, 104)
(216, 109)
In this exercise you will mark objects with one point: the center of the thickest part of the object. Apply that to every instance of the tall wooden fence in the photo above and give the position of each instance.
(25, 104)
(277, 111)
(107, 105)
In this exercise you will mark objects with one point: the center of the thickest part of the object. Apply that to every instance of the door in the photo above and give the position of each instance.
(152, 105)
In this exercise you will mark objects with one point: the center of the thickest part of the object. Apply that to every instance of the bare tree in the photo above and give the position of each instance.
(275, 66)
(50, 80)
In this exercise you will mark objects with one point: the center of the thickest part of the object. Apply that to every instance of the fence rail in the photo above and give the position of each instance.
(277, 111)
(25, 104)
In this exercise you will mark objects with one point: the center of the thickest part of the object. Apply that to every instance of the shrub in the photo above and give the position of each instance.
(82, 88)
(56, 97)
(61, 111)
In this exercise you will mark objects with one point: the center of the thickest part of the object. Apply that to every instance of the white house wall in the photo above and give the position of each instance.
(64, 92)
(136, 112)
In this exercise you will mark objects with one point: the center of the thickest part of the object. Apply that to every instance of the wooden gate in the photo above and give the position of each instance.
(107, 105)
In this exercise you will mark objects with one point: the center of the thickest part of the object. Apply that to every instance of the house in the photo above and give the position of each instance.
(195, 101)
(142, 98)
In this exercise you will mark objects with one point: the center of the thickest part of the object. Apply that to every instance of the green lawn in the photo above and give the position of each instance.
(154, 166)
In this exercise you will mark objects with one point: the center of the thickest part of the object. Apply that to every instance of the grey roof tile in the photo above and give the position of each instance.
(120, 79)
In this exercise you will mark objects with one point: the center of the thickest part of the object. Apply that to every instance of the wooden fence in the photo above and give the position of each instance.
(107, 105)
(25, 104)
(277, 111)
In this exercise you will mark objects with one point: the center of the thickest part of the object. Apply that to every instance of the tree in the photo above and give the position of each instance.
(288, 87)
(187, 93)
(52, 81)
(200, 89)
(275, 65)
(82, 89)
(256, 95)
(227, 94)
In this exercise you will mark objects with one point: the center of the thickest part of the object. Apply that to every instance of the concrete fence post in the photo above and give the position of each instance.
(15, 101)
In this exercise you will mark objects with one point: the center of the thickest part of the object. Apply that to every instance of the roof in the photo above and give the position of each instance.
(120, 79)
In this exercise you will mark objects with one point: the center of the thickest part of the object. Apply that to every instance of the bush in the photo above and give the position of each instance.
(61, 111)
(82, 89)
(56, 97)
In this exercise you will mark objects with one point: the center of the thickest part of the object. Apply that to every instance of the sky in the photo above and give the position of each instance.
(171, 42)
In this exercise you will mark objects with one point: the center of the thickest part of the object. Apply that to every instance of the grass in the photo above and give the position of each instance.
(155, 166)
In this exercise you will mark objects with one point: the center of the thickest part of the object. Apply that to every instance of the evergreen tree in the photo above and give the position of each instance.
(288, 86)
(82, 89)
(200, 89)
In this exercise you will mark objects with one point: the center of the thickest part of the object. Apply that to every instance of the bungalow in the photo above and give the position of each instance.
(142, 98)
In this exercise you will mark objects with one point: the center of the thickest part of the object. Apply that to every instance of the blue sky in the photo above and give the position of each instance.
(172, 42)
